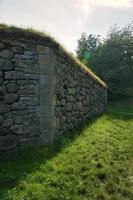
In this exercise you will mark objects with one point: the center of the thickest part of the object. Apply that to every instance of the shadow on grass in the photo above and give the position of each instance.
(15, 166)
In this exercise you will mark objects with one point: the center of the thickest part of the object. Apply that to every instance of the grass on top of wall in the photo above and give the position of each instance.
(95, 165)
(41, 37)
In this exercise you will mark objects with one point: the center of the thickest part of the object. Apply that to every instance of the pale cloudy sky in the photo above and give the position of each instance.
(67, 19)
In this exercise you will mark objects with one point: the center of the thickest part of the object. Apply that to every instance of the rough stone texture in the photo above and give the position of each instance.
(43, 94)
(8, 142)
(5, 64)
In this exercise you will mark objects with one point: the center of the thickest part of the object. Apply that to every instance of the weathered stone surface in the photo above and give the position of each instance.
(30, 53)
(1, 119)
(8, 142)
(6, 54)
(10, 97)
(12, 87)
(1, 81)
(4, 131)
(5, 64)
(18, 106)
(4, 108)
(1, 74)
(2, 90)
(18, 120)
(43, 94)
(18, 49)
(2, 46)
(7, 122)
(14, 75)
(19, 129)
(69, 106)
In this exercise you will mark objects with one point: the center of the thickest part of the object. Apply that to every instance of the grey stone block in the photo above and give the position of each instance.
(1, 74)
(6, 54)
(2, 90)
(18, 49)
(31, 77)
(19, 129)
(4, 108)
(8, 142)
(10, 97)
(14, 75)
(1, 119)
(18, 106)
(5, 64)
(30, 100)
(7, 122)
(2, 46)
(12, 87)
(1, 81)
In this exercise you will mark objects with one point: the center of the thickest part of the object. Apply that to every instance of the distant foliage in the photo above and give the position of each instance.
(111, 59)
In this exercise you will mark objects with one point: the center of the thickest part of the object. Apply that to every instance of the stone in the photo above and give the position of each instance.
(4, 108)
(18, 120)
(19, 129)
(5, 64)
(18, 106)
(30, 100)
(18, 50)
(79, 106)
(12, 87)
(4, 131)
(14, 75)
(1, 119)
(70, 98)
(27, 91)
(31, 77)
(1, 74)
(8, 142)
(71, 91)
(2, 90)
(30, 53)
(42, 49)
(63, 102)
(2, 46)
(10, 97)
(7, 122)
(6, 54)
(5, 82)
(69, 107)
(1, 81)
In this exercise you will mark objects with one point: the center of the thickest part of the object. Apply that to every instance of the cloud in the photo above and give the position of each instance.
(87, 4)
(64, 19)
(84, 6)
(116, 3)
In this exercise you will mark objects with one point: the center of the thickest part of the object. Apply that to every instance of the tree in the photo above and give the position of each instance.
(86, 46)
(112, 59)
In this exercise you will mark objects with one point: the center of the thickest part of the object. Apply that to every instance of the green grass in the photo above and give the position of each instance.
(95, 165)
(12, 32)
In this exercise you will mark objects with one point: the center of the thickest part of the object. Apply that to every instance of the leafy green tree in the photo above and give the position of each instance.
(112, 60)
(86, 46)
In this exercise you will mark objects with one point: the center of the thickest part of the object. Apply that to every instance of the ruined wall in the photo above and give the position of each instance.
(44, 93)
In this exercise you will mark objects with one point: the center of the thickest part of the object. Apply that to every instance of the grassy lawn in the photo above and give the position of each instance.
(96, 164)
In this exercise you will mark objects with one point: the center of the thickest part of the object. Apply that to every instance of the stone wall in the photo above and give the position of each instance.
(79, 96)
(44, 93)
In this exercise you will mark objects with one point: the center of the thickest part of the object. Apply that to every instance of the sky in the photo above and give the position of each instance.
(65, 20)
